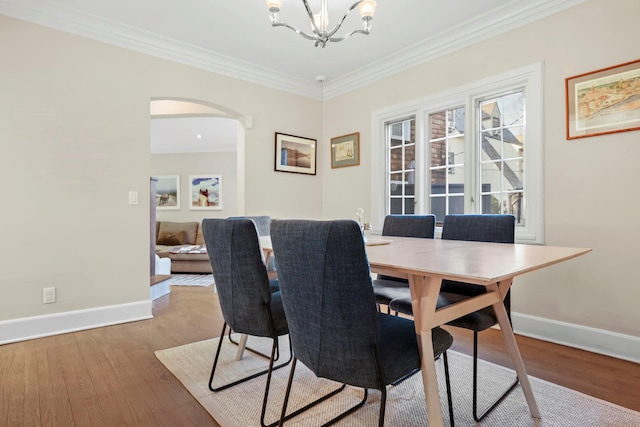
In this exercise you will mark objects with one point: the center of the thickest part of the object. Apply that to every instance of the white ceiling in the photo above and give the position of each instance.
(193, 135)
(235, 37)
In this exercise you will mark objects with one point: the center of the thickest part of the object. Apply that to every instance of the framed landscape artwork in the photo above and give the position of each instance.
(205, 192)
(167, 192)
(295, 154)
(345, 150)
(603, 101)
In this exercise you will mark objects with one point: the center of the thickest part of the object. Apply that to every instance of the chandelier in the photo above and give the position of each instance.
(320, 21)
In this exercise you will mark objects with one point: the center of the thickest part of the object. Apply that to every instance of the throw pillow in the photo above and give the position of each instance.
(169, 239)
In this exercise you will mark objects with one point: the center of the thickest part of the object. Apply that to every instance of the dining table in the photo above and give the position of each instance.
(426, 262)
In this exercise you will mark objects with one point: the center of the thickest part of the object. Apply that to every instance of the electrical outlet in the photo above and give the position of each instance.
(48, 295)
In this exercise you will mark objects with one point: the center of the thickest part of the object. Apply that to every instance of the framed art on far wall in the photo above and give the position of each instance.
(167, 192)
(295, 154)
(603, 101)
(205, 192)
(345, 150)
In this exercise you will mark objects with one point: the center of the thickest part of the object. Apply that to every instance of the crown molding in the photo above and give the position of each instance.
(114, 33)
(512, 15)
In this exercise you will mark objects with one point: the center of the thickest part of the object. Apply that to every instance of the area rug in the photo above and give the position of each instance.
(241, 405)
(191, 279)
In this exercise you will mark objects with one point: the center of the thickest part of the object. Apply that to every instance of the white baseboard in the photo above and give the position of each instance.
(609, 343)
(160, 289)
(27, 328)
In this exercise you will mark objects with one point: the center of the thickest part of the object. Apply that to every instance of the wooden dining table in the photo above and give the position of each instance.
(426, 262)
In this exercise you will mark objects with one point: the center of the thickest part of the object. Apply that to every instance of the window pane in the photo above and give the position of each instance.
(513, 109)
(513, 142)
(409, 206)
(491, 145)
(438, 125)
(438, 153)
(395, 159)
(395, 184)
(455, 123)
(395, 206)
(456, 205)
(512, 176)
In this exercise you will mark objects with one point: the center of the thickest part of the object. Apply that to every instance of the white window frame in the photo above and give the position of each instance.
(530, 79)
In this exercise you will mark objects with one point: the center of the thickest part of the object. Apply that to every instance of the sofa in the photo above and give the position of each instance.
(183, 243)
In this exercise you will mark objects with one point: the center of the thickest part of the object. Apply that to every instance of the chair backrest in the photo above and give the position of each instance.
(239, 274)
(410, 226)
(328, 298)
(478, 228)
(423, 226)
(262, 222)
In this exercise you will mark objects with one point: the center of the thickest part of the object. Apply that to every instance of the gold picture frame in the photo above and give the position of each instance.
(604, 101)
(345, 150)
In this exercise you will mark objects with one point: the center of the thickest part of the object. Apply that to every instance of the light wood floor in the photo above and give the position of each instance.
(111, 377)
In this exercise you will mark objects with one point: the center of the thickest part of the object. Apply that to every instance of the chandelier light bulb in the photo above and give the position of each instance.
(367, 9)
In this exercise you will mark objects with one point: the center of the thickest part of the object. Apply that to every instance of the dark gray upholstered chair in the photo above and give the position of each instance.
(263, 225)
(248, 304)
(387, 288)
(478, 228)
(335, 328)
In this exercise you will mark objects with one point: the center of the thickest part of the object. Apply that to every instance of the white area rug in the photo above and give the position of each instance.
(241, 405)
(192, 279)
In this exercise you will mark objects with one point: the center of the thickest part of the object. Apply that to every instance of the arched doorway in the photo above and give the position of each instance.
(231, 124)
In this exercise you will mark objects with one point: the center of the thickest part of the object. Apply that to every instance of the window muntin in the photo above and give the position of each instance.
(401, 156)
(447, 162)
(501, 139)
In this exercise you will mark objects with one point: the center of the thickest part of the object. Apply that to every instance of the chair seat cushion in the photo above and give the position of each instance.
(386, 290)
(398, 351)
(476, 321)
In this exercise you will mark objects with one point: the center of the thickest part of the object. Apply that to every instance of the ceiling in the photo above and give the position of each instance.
(235, 38)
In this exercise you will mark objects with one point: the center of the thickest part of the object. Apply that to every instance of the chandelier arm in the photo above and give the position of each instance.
(339, 39)
(294, 29)
(313, 21)
(337, 27)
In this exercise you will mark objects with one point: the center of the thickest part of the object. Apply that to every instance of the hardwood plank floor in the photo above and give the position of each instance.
(110, 376)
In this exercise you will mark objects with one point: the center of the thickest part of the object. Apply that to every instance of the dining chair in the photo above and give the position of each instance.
(248, 304)
(387, 288)
(478, 228)
(334, 326)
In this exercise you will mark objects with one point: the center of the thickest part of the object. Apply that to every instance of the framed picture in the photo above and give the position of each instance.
(345, 150)
(206, 192)
(167, 192)
(603, 101)
(295, 154)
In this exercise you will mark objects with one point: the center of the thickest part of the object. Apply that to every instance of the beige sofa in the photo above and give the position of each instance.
(172, 237)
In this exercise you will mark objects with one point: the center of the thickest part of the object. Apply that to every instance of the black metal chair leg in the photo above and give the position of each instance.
(475, 384)
(447, 380)
(284, 417)
(250, 377)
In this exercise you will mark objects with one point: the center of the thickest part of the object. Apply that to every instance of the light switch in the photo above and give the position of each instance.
(133, 197)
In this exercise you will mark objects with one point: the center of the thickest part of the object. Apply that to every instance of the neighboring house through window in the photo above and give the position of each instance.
(465, 151)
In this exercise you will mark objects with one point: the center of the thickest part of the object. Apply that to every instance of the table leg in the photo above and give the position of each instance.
(514, 352)
(424, 295)
(241, 345)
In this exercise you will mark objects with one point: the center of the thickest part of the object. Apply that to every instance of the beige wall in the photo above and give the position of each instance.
(74, 134)
(589, 183)
(185, 164)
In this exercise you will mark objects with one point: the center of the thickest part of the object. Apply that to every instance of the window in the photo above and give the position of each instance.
(401, 157)
(465, 151)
